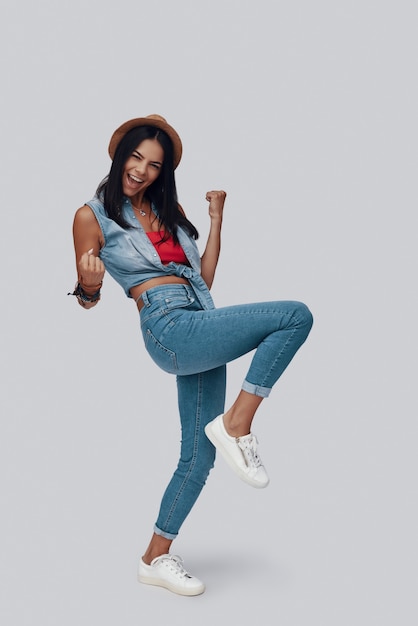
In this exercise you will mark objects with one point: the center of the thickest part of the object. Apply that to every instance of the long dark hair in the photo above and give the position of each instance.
(162, 193)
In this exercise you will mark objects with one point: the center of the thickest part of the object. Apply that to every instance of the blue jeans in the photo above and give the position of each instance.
(195, 344)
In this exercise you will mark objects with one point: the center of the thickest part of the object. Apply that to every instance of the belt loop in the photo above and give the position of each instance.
(144, 298)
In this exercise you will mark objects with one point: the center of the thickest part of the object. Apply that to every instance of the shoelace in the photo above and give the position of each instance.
(175, 563)
(248, 445)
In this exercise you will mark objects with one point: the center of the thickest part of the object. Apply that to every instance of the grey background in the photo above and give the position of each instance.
(305, 112)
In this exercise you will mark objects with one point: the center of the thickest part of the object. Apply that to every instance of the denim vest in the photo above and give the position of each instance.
(131, 259)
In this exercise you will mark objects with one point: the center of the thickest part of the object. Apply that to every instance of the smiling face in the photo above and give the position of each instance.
(142, 168)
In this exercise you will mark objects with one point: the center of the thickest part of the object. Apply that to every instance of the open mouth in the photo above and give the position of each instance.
(134, 179)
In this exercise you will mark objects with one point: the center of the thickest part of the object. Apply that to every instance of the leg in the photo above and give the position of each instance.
(231, 433)
(184, 339)
(201, 398)
(271, 358)
(189, 340)
(239, 418)
(158, 545)
(275, 329)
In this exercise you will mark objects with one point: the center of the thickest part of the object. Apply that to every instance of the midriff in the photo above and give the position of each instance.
(154, 282)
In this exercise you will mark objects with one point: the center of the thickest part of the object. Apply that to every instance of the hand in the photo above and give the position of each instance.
(91, 270)
(216, 201)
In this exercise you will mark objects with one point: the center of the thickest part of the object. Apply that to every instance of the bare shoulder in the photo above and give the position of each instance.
(85, 216)
(86, 228)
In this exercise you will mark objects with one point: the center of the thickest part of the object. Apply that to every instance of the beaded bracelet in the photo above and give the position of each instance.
(82, 296)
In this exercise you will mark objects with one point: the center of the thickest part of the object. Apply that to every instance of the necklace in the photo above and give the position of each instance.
(141, 211)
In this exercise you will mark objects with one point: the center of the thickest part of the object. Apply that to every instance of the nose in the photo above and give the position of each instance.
(141, 167)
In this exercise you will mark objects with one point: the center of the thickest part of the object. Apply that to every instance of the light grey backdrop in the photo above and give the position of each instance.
(305, 112)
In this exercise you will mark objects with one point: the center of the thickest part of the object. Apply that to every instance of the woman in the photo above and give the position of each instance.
(135, 229)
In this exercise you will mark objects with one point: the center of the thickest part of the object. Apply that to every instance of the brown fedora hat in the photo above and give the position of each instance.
(150, 120)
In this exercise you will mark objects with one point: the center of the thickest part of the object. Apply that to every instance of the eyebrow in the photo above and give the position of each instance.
(141, 155)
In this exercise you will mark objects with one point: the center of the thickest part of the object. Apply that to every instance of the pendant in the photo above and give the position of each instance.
(141, 212)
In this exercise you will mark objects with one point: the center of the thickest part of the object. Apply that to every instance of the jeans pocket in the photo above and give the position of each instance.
(162, 356)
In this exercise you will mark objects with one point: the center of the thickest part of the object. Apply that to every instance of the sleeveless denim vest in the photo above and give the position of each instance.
(131, 259)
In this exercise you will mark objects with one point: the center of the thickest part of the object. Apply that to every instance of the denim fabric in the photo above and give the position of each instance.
(131, 259)
(201, 398)
(186, 336)
(195, 344)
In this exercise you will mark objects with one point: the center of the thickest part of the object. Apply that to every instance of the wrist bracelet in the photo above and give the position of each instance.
(82, 296)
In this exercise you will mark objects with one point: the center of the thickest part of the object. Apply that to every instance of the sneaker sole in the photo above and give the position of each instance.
(157, 582)
(219, 446)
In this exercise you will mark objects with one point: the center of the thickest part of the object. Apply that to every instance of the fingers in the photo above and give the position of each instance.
(216, 201)
(216, 195)
(94, 263)
(90, 261)
(91, 268)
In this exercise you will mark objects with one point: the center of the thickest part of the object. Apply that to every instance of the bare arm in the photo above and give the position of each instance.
(210, 256)
(87, 243)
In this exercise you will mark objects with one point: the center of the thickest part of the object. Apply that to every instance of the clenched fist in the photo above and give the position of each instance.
(91, 270)
(216, 201)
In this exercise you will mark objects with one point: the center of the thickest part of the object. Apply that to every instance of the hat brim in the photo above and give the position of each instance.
(156, 121)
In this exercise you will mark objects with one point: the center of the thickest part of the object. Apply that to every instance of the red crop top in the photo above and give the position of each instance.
(167, 250)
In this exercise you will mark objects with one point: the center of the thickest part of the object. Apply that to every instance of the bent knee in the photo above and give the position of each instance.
(304, 316)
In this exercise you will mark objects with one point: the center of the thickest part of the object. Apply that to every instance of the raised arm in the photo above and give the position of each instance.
(210, 256)
(87, 243)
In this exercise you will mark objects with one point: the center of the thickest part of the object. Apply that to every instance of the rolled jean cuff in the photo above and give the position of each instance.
(256, 390)
(160, 532)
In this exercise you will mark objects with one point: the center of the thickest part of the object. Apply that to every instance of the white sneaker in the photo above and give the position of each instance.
(239, 452)
(167, 571)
